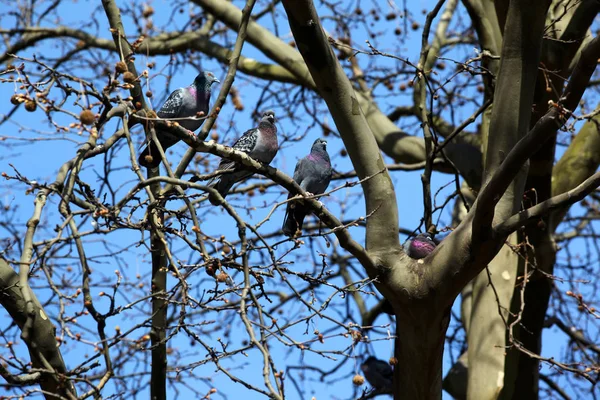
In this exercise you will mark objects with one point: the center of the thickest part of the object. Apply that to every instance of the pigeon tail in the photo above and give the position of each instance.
(151, 149)
(221, 184)
(294, 219)
(214, 183)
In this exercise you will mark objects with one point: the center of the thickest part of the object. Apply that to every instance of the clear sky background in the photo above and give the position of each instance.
(40, 161)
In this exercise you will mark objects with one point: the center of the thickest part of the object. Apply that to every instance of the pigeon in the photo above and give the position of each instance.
(259, 143)
(379, 374)
(420, 246)
(182, 103)
(313, 174)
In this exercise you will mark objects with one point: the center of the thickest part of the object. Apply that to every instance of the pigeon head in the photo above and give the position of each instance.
(205, 80)
(420, 246)
(269, 116)
(319, 144)
(319, 150)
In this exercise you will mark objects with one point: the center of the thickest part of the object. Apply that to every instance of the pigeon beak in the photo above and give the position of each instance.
(216, 81)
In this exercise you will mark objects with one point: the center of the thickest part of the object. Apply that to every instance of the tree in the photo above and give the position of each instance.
(220, 272)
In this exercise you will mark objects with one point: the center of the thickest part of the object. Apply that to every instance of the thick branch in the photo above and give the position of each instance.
(539, 210)
(260, 37)
(42, 339)
(544, 129)
(392, 141)
(581, 159)
(163, 44)
(511, 114)
(336, 90)
(451, 268)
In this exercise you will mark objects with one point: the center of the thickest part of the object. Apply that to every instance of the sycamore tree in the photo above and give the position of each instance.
(120, 282)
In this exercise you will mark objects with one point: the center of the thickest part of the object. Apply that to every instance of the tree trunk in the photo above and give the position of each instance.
(419, 349)
(158, 333)
(487, 333)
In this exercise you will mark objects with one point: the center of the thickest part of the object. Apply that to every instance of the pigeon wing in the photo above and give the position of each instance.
(173, 105)
(244, 144)
(247, 142)
(301, 171)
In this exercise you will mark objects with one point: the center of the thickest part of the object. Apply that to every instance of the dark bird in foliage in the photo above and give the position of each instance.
(379, 374)
(313, 174)
(259, 143)
(184, 102)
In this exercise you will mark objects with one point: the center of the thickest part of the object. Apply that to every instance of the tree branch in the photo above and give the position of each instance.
(42, 337)
(579, 161)
(521, 51)
(544, 129)
(402, 147)
(225, 86)
(336, 90)
(526, 216)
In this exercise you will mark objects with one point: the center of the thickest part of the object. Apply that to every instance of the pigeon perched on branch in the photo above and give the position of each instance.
(313, 174)
(259, 143)
(379, 374)
(184, 102)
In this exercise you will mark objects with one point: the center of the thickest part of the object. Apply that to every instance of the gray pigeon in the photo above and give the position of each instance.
(420, 246)
(259, 143)
(379, 374)
(313, 174)
(182, 103)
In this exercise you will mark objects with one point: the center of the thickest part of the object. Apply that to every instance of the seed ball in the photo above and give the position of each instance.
(87, 117)
(358, 380)
(128, 77)
(121, 67)
(30, 105)
(222, 277)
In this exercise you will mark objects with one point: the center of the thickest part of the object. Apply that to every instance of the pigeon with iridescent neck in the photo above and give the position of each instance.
(187, 103)
(259, 143)
(420, 246)
(313, 174)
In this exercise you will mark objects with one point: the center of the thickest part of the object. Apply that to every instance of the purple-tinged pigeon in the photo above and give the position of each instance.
(379, 374)
(313, 174)
(259, 143)
(420, 246)
(182, 103)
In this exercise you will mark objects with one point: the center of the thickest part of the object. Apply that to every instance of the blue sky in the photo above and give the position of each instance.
(40, 160)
